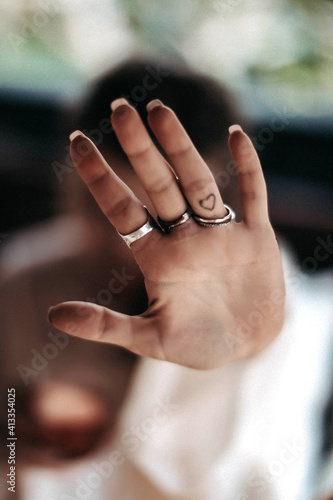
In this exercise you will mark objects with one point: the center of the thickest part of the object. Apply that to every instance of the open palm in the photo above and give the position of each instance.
(215, 293)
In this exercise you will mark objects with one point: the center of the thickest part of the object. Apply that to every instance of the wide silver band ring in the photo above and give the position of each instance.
(130, 238)
(223, 221)
(167, 225)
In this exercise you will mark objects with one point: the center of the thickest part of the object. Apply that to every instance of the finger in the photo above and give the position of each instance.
(152, 169)
(196, 179)
(93, 322)
(251, 182)
(125, 212)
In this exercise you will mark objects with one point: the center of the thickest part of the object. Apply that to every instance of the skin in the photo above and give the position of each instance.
(215, 294)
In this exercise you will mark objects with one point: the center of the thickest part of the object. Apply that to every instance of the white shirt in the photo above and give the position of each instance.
(248, 430)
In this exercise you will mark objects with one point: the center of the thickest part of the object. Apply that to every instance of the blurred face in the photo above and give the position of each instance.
(218, 162)
(129, 177)
(109, 241)
(109, 248)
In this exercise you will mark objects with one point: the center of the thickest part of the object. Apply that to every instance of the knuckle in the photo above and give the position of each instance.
(120, 207)
(246, 171)
(161, 185)
(201, 184)
(181, 149)
(136, 153)
(252, 195)
(96, 177)
(103, 324)
(249, 195)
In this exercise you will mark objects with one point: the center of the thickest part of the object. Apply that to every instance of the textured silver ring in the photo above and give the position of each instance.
(130, 238)
(167, 225)
(222, 221)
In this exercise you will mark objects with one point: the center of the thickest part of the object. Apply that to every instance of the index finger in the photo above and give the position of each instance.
(125, 212)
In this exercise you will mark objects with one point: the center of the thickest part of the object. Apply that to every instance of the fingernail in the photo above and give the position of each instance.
(76, 133)
(155, 103)
(118, 102)
(50, 314)
(235, 128)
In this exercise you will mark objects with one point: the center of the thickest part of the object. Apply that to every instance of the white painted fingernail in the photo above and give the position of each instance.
(235, 128)
(75, 134)
(118, 102)
(155, 103)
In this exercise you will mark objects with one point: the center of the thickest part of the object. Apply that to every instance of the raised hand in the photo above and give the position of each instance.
(216, 293)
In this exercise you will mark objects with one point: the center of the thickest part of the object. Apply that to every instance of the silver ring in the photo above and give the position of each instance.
(223, 221)
(142, 231)
(167, 225)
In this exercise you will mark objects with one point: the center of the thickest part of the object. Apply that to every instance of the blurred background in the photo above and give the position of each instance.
(275, 55)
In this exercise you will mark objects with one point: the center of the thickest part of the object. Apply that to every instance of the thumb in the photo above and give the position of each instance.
(138, 334)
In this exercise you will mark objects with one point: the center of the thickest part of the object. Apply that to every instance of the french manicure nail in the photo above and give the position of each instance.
(50, 314)
(76, 133)
(155, 103)
(118, 102)
(235, 128)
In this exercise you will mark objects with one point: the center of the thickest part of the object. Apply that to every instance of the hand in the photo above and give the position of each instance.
(216, 294)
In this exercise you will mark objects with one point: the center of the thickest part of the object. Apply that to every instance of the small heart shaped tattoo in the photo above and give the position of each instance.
(209, 202)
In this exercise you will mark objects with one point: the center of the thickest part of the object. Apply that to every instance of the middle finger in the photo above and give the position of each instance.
(153, 171)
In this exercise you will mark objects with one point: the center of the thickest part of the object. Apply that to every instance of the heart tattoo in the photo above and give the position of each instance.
(209, 202)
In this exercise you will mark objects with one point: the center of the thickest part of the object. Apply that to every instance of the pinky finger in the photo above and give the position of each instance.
(251, 182)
